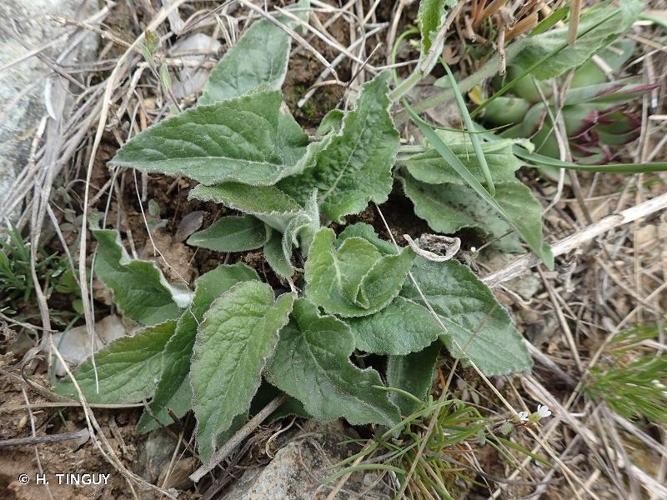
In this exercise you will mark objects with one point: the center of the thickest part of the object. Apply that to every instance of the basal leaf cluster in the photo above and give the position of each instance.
(346, 292)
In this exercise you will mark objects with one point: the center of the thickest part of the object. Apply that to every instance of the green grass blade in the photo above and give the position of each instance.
(647, 16)
(463, 110)
(394, 52)
(548, 22)
(610, 168)
(543, 251)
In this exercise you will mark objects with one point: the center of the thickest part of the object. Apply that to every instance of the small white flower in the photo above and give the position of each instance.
(543, 411)
(523, 416)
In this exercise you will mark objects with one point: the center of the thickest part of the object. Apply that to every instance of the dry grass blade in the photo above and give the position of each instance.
(609, 231)
(51, 438)
(235, 440)
(580, 238)
(575, 14)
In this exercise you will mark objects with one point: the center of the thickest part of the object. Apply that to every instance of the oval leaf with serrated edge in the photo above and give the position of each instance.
(448, 208)
(139, 289)
(233, 343)
(248, 66)
(324, 379)
(234, 233)
(173, 391)
(430, 167)
(127, 370)
(478, 327)
(247, 139)
(355, 279)
(400, 328)
(354, 168)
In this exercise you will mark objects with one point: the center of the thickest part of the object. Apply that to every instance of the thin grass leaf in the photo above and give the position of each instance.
(521, 449)
(363, 467)
(609, 168)
(647, 16)
(477, 146)
(549, 22)
(541, 249)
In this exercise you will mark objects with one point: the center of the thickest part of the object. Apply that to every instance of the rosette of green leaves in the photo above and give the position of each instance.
(598, 113)
(212, 355)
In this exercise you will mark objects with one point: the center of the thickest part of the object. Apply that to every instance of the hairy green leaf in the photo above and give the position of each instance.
(174, 391)
(430, 16)
(139, 289)
(599, 26)
(354, 279)
(248, 139)
(232, 234)
(430, 167)
(258, 61)
(366, 231)
(400, 328)
(233, 343)
(276, 257)
(448, 208)
(354, 167)
(478, 327)
(267, 203)
(127, 370)
(324, 379)
(412, 373)
(430, 19)
(528, 232)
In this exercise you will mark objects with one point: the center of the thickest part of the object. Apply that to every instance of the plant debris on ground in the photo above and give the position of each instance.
(439, 224)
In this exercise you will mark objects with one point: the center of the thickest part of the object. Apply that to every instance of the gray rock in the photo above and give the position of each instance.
(74, 345)
(192, 78)
(24, 26)
(299, 469)
(156, 454)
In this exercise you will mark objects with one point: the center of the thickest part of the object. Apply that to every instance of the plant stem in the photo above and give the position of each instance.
(406, 85)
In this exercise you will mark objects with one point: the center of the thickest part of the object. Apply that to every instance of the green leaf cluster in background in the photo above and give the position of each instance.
(599, 26)
(447, 203)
